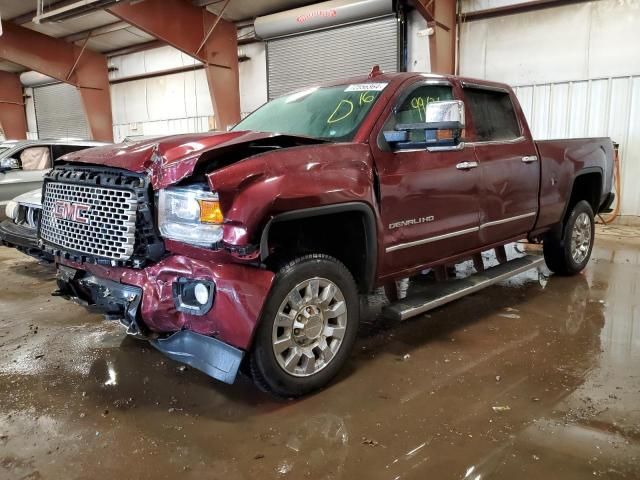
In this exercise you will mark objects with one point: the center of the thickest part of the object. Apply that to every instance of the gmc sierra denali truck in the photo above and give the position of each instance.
(251, 247)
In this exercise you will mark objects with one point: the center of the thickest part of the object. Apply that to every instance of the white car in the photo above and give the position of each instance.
(23, 163)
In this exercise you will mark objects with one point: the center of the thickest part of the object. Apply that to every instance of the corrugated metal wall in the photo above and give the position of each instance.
(332, 54)
(175, 102)
(578, 68)
(164, 105)
(59, 112)
(591, 108)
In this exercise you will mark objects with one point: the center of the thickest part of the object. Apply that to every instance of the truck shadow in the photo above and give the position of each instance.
(31, 268)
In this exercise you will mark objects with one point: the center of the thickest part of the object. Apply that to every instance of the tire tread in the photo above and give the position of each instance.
(255, 369)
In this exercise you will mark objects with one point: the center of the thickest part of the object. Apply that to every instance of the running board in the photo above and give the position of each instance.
(442, 293)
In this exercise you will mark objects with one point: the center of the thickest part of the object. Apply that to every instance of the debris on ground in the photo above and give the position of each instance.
(501, 408)
(370, 442)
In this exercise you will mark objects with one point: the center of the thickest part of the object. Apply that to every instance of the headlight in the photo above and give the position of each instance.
(11, 209)
(191, 215)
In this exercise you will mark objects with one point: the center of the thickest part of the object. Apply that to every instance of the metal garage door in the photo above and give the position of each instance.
(328, 55)
(59, 112)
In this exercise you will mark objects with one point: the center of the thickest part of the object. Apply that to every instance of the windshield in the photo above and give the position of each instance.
(330, 113)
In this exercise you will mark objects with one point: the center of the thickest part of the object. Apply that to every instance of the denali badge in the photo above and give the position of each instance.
(411, 221)
(75, 212)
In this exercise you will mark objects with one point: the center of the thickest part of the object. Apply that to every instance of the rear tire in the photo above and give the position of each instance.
(570, 254)
(308, 327)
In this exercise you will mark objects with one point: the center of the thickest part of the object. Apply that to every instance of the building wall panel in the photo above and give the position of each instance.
(576, 69)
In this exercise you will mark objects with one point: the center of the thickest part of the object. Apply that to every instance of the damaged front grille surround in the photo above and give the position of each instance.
(99, 215)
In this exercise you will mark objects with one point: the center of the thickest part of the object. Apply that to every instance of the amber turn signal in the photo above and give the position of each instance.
(444, 134)
(210, 211)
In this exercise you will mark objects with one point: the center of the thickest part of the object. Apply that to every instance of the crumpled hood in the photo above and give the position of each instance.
(167, 159)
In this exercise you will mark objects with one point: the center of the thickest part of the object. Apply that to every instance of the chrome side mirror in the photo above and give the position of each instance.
(9, 164)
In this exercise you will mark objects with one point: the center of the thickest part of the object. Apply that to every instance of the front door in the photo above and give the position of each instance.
(509, 166)
(429, 199)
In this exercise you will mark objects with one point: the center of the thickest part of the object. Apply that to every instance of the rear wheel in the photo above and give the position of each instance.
(570, 254)
(308, 326)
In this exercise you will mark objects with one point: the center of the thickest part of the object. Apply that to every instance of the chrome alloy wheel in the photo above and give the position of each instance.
(309, 327)
(581, 238)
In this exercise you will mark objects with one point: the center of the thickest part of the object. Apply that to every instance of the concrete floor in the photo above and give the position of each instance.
(536, 378)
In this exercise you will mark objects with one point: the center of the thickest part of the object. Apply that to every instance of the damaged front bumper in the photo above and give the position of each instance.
(148, 303)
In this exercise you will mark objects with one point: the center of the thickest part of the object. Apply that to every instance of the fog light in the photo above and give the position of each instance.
(201, 292)
(193, 296)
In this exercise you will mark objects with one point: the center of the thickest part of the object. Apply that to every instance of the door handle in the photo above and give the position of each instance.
(466, 165)
(529, 158)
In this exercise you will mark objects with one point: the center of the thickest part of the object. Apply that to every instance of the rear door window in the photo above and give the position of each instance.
(493, 115)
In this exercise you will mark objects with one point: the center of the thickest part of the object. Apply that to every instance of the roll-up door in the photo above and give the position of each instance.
(327, 55)
(59, 112)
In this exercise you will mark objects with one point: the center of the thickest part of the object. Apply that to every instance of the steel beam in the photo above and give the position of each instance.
(515, 8)
(200, 34)
(13, 119)
(66, 62)
(441, 16)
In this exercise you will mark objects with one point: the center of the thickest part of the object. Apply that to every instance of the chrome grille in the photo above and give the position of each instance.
(33, 216)
(106, 227)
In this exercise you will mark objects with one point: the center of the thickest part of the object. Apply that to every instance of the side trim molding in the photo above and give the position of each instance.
(415, 243)
(458, 233)
(507, 220)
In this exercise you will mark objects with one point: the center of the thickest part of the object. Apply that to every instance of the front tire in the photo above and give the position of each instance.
(570, 254)
(308, 326)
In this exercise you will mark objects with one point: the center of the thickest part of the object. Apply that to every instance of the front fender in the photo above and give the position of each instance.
(257, 189)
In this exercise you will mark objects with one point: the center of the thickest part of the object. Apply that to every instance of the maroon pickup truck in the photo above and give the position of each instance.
(251, 247)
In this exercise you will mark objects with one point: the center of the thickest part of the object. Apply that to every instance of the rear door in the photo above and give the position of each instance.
(428, 201)
(509, 166)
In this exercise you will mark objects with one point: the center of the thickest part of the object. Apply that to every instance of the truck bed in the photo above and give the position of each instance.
(564, 160)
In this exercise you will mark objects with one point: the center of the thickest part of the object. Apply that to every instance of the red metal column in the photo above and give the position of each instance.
(200, 34)
(13, 118)
(441, 16)
(78, 66)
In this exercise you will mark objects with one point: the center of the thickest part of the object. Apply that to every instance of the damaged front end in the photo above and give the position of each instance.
(191, 302)
(121, 302)
(160, 303)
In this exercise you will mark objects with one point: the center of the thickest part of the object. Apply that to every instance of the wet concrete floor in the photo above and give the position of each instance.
(536, 378)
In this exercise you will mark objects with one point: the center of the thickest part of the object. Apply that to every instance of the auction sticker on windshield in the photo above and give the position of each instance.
(366, 87)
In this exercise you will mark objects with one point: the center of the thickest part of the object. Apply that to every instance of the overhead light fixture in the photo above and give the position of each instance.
(69, 11)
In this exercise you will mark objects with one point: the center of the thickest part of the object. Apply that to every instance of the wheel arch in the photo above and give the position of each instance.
(366, 278)
(582, 189)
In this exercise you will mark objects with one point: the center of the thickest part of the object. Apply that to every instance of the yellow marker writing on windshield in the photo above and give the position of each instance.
(418, 104)
(336, 117)
(366, 97)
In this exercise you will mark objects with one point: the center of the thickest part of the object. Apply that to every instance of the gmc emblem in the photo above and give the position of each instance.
(74, 212)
